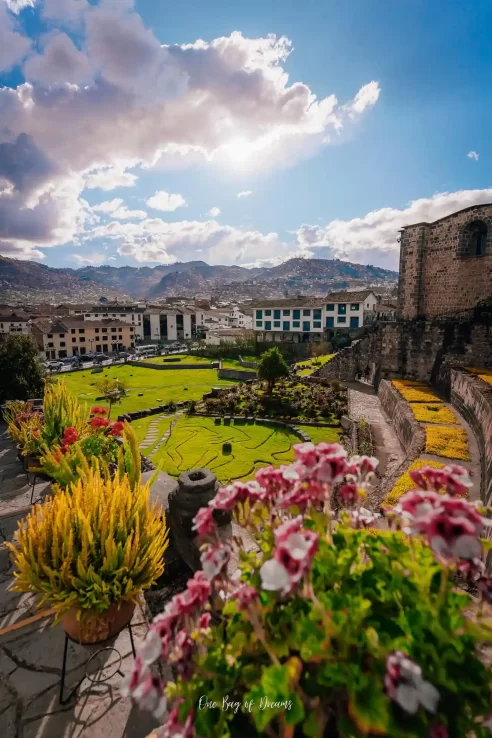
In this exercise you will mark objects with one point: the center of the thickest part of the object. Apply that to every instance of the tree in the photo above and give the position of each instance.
(272, 367)
(113, 390)
(21, 371)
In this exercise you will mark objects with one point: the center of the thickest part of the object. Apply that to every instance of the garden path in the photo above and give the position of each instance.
(153, 439)
(364, 404)
(31, 653)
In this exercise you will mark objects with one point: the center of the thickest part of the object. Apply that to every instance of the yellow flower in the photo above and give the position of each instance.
(484, 374)
(448, 442)
(415, 391)
(433, 412)
(405, 483)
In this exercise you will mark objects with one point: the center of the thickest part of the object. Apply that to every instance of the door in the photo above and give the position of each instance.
(105, 348)
(354, 322)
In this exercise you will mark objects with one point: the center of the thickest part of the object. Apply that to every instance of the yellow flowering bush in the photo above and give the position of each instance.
(90, 546)
(484, 374)
(433, 412)
(415, 391)
(448, 442)
(405, 483)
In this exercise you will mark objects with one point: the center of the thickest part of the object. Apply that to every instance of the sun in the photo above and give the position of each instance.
(238, 150)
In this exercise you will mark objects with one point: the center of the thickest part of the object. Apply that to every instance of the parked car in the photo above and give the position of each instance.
(53, 366)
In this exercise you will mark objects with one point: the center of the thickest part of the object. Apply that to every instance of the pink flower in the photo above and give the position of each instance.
(98, 410)
(70, 436)
(306, 453)
(98, 422)
(484, 586)
(348, 494)
(287, 528)
(418, 503)
(200, 588)
(117, 428)
(292, 559)
(175, 729)
(245, 595)
(363, 518)
(204, 522)
(405, 685)
(146, 689)
(204, 621)
(214, 560)
(439, 731)
(456, 480)
(451, 536)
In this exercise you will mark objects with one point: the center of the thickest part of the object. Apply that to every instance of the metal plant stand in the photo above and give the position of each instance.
(93, 679)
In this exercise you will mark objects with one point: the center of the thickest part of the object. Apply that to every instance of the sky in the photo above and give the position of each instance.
(247, 132)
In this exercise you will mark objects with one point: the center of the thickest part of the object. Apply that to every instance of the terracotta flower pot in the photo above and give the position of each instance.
(97, 627)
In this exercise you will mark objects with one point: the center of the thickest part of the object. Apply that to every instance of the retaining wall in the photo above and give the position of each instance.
(247, 364)
(173, 365)
(237, 374)
(473, 399)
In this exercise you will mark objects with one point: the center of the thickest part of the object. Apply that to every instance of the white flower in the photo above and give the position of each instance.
(151, 648)
(213, 561)
(274, 576)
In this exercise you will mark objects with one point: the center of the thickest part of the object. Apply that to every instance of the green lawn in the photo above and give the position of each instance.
(179, 359)
(317, 435)
(156, 387)
(308, 367)
(197, 442)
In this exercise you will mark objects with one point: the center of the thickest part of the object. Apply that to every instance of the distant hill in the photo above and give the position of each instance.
(33, 282)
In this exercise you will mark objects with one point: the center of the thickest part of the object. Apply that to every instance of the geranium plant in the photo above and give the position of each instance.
(331, 627)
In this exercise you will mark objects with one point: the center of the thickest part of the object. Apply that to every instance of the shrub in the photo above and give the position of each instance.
(448, 442)
(21, 372)
(330, 630)
(433, 412)
(91, 546)
(272, 367)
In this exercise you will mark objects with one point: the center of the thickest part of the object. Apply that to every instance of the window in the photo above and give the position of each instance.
(286, 325)
(113, 330)
(259, 314)
(296, 324)
(342, 308)
(355, 306)
(317, 324)
(74, 339)
(473, 241)
(316, 314)
(276, 314)
(342, 319)
(306, 326)
(122, 315)
(330, 322)
(285, 312)
(330, 306)
(81, 330)
(82, 339)
(276, 323)
(50, 335)
(306, 312)
(87, 315)
(268, 325)
(62, 335)
(259, 323)
(97, 330)
(73, 330)
(296, 314)
(104, 330)
(51, 345)
(62, 343)
(268, 312)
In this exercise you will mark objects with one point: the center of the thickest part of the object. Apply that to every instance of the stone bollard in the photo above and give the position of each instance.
(195, 490)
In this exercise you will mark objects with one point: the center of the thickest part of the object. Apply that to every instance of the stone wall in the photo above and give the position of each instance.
(473, 399)
(247, 364)
(413, 348)
(239, 375)
(440, 273)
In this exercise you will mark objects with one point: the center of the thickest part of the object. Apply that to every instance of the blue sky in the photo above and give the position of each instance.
(411, 79)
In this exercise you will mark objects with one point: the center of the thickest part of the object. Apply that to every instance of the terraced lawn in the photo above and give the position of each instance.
(189, 359)
(197, 442)
(325, 435)
(156, 387)
(308, 367)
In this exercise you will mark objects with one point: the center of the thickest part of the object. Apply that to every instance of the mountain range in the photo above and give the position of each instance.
(29, 281)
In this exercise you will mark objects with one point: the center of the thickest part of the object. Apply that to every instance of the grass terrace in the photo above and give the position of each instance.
(311, 365)
(484, 374)
(192, 359)
(198, 442)
(146, 388)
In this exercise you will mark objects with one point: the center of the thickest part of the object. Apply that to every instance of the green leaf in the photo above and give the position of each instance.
(369, 709)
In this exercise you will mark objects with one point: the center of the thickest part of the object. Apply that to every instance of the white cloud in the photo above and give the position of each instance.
(17, 5)
(109, 179)
(93, 258)
(116, 98)
(165, 201)
(109, 206)
(372, 238)
(14, 45)
(123, 213)
(244, 193)
(473, 155)
(214, 212)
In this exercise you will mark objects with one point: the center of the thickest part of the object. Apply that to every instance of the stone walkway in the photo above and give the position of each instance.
(31, 655)
(364, 405)
(152, 440)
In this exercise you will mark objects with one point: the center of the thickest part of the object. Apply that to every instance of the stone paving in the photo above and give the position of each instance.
(364, 405)
(152, 440)
(31, 656)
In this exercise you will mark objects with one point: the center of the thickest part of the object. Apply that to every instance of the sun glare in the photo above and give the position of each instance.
(238, 150)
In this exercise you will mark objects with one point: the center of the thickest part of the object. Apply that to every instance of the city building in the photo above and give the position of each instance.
(14, 322)
(130, 314)
(223, 335)
(299, 320)
(349, 309)
(171, 324)
(66, 337)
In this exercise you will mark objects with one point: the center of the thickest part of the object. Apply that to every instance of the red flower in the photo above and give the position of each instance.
(98, 410)
(99, 422)
(117, 428)
(70, 436)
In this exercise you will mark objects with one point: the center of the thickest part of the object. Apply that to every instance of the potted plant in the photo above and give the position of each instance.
(333, 628)
(90, 551)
